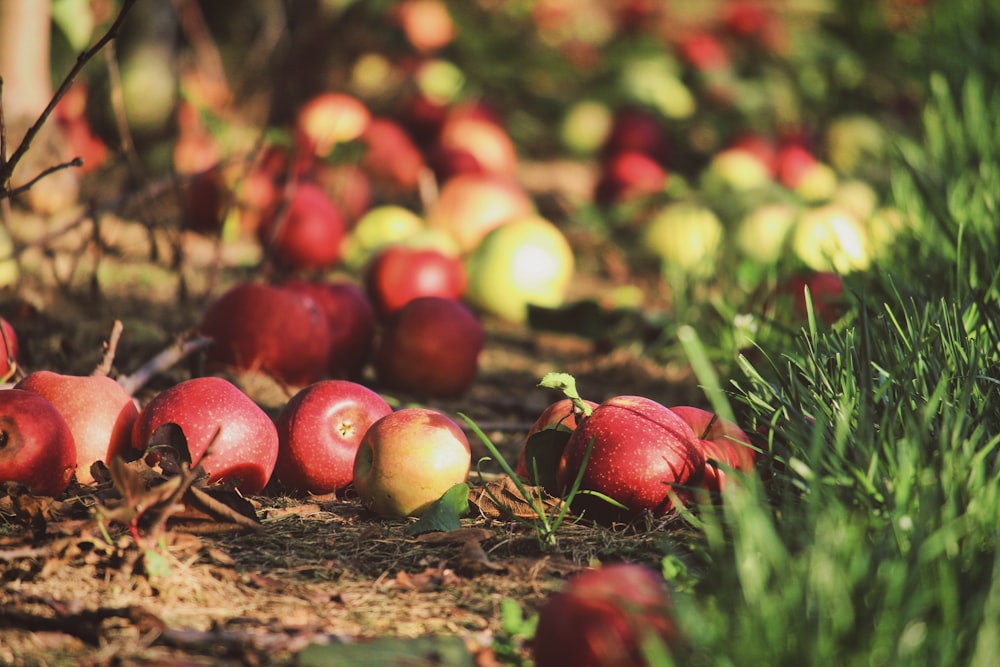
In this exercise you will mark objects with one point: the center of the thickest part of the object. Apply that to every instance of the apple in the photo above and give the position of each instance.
(258, 327)
(204, 199)
(826, 290)
(721, 440)
(636, 129)
(330, 118)
(256, 195)
(36, 445)
(470, 205)
(70, 113)
(629, 176)
(319, 431)
(762, 234)
(391, 155)
(478, 136)
(641, 452)
(560, 415)
(397, 274)
(307, 234)
(704, 52)
(604, 617)
(9, 348)
(735, 170)
(854, 141)
(525, 261)
(831, 238)
(586, 126)
(380, 226)
(793, 160)
(430, 347)
(348, 186)
(97, 410)
(427, 24)
(408, 459)
(762, 146)
(232, 438)
(686, 236)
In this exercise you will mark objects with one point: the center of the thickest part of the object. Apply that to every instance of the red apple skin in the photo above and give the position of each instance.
(246, 449)
(308, 234)
(471, 132)
(720, 440)
(430, 347)
(330, 118)
(398, 274)
(98, 411)
(642, 451)
(203, 200)
(629, 176)
(559, 414)
(408, 459)
(319, 431)
(637, 129)
(258, 327)
(826, 290)
(392, 157)
(36, 445)
(793, 161)
(350, 324)
(470, 205)
(602, 617)
(9, 349)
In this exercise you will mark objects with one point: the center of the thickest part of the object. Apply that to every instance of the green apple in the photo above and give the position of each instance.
(818, 183)
(762, 234)
(858, 196)
(831, 238)
(585, 126)
(686, 236)
(408, 459)
(735, 170)
(380, 226)
(853, 140)
(524, 261)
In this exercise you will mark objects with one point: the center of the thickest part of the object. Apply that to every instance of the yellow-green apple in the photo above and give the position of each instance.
(330, 118)
(854, 141)
(232, 438)
(97, 410)
(857, 196)
(761, 145)
(721, 441)
(398, 273)
(641, 452)
(380, 226)
(629, 176)
(408, 459)
(470, 205)
(603, 617)
(762, 234)
(735, 170)
(831, 238)
(525, 261)
(585, 126)
(319, 431)
(308, 232)
(391, 156)
(36, 446)
(257, 327)
(9, 349)
(430, 347)
(561, 416)
(686, 236)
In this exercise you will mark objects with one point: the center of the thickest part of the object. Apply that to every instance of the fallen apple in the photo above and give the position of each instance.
(307, 233)
(408, 459)
(470, 205)
(36, 445)
(232, 438)
(391, 155)
(430, 347)
(330, 118)
(721, 441)
(98, 411)
(380, 226)
(562, 416)
(427, 24)
(398, 273)
(604, 617)
(9, 349)
(319, 431)
(686, 236)
(831, 238)
(629, 176)
(641, 452)
(480, 137)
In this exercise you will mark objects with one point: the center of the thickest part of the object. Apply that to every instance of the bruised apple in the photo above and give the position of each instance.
(408, 459)
(232, 438)
(98, 411)
(721, 441)
(319, 431)
(641, 452)
(36, 446)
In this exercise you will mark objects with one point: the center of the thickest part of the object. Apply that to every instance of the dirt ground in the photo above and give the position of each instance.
(77, 588)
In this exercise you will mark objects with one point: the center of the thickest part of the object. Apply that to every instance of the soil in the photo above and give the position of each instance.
(196, 588)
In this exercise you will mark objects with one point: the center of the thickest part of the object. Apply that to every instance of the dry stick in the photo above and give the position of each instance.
(162, 361)
(110, 348)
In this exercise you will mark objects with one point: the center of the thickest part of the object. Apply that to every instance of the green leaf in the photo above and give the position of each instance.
(566, 383)
(445, 513)
(444, 651)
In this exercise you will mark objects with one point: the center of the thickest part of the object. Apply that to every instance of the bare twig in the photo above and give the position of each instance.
(110, 348)
(162, 361)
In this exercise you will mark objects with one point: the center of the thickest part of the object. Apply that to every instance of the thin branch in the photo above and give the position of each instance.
(110, 348)
(162, 361)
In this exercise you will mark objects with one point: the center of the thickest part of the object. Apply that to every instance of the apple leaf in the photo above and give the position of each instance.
(566, 383)
(542, 453)
(445, 513)
(443, 651)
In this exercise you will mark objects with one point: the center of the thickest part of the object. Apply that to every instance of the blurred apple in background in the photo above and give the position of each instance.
(330, 118)
(98, 411)
(232, 438)
(525, 261)
(319, 431)
(430, 347)
(826, 294)
(347, 185)
(637, 129)
(204, 200)
(380, 226)
(408, 459)
(36, 445)
(831, 238)
(585, 127)
(391, 156)
(762, 234)
(471, 140)
(277, 331)
(469, 206)
(397, 274)
(427, 24)
(686, 236)
(629, 176)
(9, 349)
(307, 234)
(70, 113)
(854, 142)
(734, 170)
(857, 196)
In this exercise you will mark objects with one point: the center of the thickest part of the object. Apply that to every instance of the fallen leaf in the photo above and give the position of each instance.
(501, 499)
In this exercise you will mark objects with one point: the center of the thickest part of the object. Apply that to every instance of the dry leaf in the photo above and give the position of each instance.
(501, 499)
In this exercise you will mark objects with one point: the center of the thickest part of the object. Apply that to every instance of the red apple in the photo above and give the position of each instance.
(470, 205)
(604, 617)
(475, 134)
(398, 273)
(330, 118)
(319, 431)
(408, 459)
(793, 161)
(98, 411)
(704, 52)
(636, 129)
(258, 327)
(430, 347)
(427, 24)
(227, 433)
(350, 324)
(204, 199)
(629, 176)
(561, 416)
(8, 349)
(641, 452)
(36, 446)
(721, 441)
(348, 187)
(307, 234)
(391, 155)
(826, 290)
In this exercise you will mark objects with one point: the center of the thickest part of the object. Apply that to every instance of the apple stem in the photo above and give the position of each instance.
(110, 349)
(566, 383)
